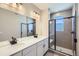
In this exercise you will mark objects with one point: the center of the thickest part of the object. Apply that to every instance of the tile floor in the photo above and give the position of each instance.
(50, 53)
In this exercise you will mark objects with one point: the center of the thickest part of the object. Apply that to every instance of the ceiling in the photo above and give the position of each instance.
(55, 7)
(41, 6)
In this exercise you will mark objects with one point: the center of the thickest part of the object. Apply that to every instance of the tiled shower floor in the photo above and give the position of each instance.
(50, 53)
(68, 51)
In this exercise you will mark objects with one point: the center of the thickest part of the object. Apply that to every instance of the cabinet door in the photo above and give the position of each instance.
(30, 51)
(46, 45)
(40, 48)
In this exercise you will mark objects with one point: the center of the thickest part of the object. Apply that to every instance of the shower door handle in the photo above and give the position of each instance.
(75, 40)
(72, 32)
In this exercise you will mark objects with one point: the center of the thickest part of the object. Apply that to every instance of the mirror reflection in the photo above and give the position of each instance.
(15, 25)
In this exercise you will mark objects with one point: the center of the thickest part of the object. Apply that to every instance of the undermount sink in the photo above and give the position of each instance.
(4, 43)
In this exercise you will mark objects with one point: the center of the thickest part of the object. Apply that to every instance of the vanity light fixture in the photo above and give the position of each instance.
(37, 15)
(14, 5)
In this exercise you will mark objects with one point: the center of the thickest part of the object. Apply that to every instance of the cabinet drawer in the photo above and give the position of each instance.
(39, 43)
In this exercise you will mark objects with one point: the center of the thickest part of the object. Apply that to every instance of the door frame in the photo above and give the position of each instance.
(21, 28)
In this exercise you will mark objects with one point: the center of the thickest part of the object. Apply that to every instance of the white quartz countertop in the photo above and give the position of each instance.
(6, 49)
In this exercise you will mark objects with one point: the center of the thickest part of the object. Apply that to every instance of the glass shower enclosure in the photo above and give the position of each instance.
(62, 35)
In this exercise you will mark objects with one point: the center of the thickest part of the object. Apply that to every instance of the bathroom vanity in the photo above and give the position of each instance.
(27, 46)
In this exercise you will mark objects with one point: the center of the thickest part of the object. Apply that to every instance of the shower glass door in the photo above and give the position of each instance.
(52, 38)
(62, 34)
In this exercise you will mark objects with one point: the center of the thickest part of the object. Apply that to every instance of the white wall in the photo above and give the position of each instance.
(44, 22)
(65, 13)
(77, 28)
